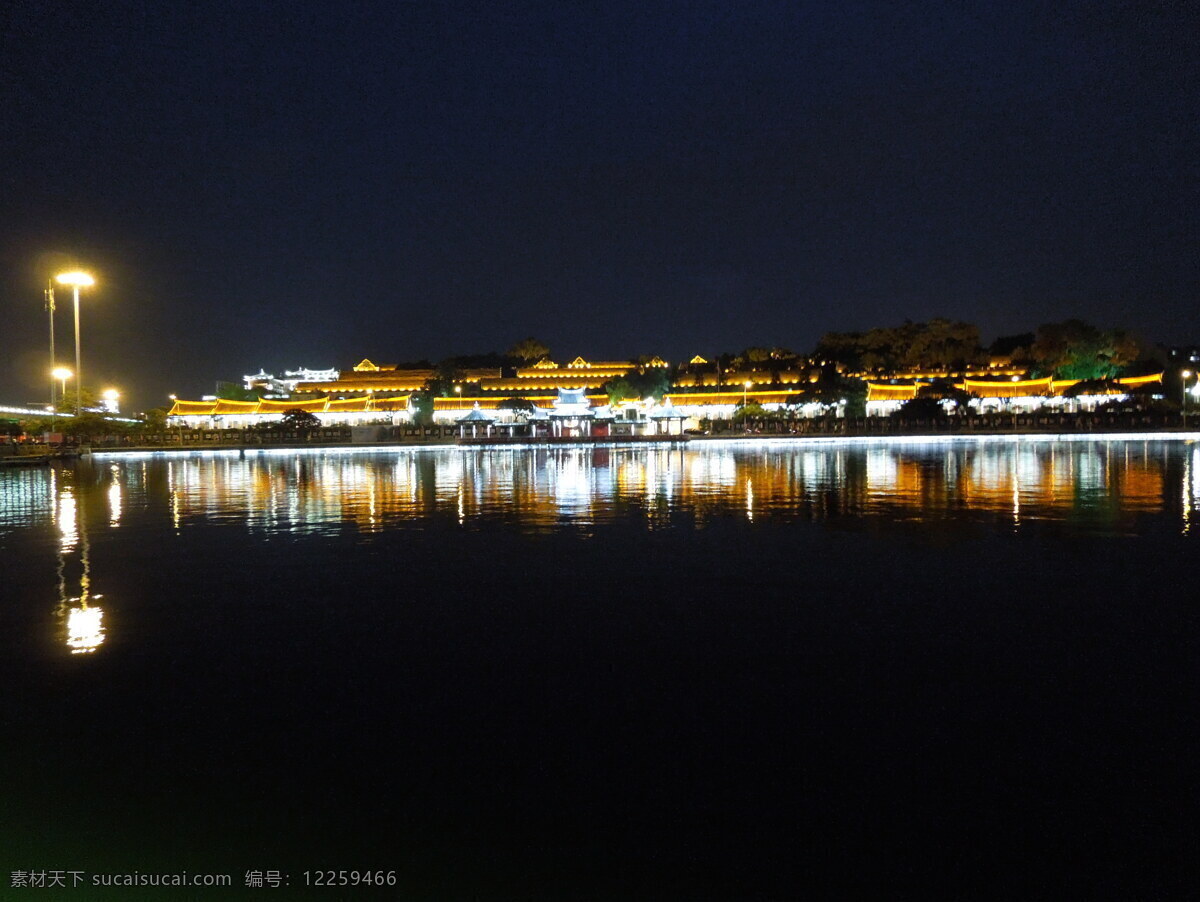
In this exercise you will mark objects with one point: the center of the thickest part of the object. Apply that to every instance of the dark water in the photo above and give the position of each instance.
(759, 671)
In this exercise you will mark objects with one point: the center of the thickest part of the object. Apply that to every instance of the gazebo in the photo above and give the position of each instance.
(475, 418)
(663, 416)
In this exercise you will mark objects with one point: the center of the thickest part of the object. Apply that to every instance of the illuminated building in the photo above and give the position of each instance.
(387, 378)
(374, 393)
(1015, 393)
(290, 382)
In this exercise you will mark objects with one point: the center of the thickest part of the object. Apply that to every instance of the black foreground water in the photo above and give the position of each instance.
(736, 671)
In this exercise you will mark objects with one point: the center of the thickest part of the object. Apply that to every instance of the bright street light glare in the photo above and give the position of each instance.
(78, 278)
(61, 372)
(110, 394)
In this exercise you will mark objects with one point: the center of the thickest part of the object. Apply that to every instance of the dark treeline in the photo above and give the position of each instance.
(1073, 349)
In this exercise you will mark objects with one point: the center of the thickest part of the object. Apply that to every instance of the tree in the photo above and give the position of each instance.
(515, 404)
(654, 382)
(90, 423)
(1093, 387)
(937, 344)
(1014, 347)
(422, 405)
(942, 344)
(87, 399)
(301, 420)
(832, 388)
(946, 390)
(155, 420)
(920, 409)
(1075, 349)
(231, 391)
(750, 411)
(529, 350)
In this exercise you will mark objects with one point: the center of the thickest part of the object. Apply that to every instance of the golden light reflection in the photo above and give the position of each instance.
(542, 488)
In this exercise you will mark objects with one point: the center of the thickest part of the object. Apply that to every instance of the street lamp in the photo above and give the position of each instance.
(50, 310)
(110, 396)
(77, 280)
(62, 374)
(175, 398)
(1183, 378)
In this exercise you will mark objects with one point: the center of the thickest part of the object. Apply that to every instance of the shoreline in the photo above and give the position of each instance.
(679, 442)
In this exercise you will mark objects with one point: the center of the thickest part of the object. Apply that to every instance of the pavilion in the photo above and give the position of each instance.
(475, 419)
(572, 413)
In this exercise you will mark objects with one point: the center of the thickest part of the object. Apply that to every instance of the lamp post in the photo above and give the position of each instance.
(53, 362)
(175, 398)
(1183, 378)
(77, 280)
(62, 374)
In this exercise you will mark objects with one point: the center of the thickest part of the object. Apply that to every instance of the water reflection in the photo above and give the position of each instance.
(1091, 485)
(77, 610)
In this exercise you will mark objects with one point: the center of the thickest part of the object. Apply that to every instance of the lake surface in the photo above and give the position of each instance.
(751, 670)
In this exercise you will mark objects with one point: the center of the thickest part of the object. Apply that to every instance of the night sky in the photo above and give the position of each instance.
(298, 183)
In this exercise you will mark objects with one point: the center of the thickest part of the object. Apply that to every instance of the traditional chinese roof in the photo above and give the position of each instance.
(223, 407)
(667, 411)
(877, 391)
(366, 366)
(349, 405)
(476, 416)
(571, 396)
(372, 380)
(192, 408)
(572, 402)
(316, 405)
(1021, 388)
(390, 404)
(1134, 381)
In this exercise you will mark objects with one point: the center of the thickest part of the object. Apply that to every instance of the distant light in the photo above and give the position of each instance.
(1016, 378)
(61, 372)
(78, 279)
(1186, 374)
(110, 394)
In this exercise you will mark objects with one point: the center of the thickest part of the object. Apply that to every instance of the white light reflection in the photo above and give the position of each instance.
(85, 628)
(67, 525)
(114, 498)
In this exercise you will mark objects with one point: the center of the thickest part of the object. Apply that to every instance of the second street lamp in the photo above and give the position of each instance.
(62, 374)
(77, 280)
(1183, 378)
